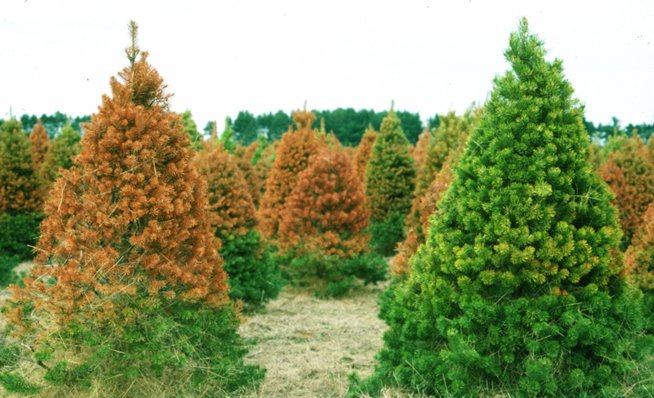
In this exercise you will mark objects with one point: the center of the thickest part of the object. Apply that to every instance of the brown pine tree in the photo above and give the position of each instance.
(630, 174)
(129, 219)
(639, 258)
(363, 152)
(326, 212)
(228, 194)
(295, 149)
(40, 144)
(253, 274)
(20, 185)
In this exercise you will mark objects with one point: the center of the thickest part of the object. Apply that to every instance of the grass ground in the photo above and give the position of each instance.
(311, 345)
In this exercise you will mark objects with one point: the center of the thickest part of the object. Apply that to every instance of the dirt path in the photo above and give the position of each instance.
(310, 346)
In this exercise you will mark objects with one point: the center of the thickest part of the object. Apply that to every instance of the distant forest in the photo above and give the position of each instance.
(347, 124)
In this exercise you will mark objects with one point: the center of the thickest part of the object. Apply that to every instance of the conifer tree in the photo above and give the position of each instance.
(639, 258)
(325, 211)
(324, 222)
(516, 291)
(40, 145)
(65, 146)
(630, 174)
(21, 197)
(390, 180)
(254, 183)
(446, 146)
(362, 155)
(20, 185)
(295, 149)
(128, 281)
(420, 150)
(253, 274)
(192, 130)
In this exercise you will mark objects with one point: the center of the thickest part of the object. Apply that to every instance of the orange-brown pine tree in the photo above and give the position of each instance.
(40, 144)
(253, 274)
(294, 151)
(128, 282)
(20, 184)
(244, 162)
(420, 151)
(325, 212)
(129, 219)
(229, 199)
(630, 174)
(639, 257)
(363, 152)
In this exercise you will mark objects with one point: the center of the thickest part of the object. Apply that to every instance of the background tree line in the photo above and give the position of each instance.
(347, 124)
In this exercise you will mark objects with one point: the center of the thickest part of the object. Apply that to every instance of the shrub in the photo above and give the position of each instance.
(7, 265)
(254, 275)
(332, 276)
(18, 233)
(517, 290)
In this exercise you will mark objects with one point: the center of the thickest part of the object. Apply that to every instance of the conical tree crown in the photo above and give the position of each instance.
(40, 144)
(639, 257)
(295, 149)
(326, 210)
(229, 199)
(630, 174)
(516, 289)
(363, 151)
(64, 147)
(20, 184)
(390, 175)
(129, 219)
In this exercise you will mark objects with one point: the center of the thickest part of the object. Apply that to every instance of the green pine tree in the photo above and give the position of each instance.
(192, 130)
(390, 180)
(516, 292)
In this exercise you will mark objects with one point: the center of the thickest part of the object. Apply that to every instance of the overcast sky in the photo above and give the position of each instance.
(219, 57)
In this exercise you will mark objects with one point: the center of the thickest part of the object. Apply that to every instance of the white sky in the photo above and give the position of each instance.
(219, 57)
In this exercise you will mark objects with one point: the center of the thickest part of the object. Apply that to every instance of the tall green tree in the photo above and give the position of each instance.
(516, 292)
(246, 128)
(192, 130)
(390, 180)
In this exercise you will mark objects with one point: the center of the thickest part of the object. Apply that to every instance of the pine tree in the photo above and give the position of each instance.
(630, 174)
(447, 144)
(253, 274)
(362, 155)
(128, 281)
(40, 145)
(21, 197)
(20, 185)
(294, 151)
(192, 130)
(516, 291)
(64, 147)
(325, 212)
(390, 180)
(323, 225)
(639, 257)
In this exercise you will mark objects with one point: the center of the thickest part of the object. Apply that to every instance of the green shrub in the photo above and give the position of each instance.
(332, 276)
(254, 276)
(184, 349)
(18, 232)
(384, 235)
(7, 265)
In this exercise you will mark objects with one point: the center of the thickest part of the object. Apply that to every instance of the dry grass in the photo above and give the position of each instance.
(311, 345)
